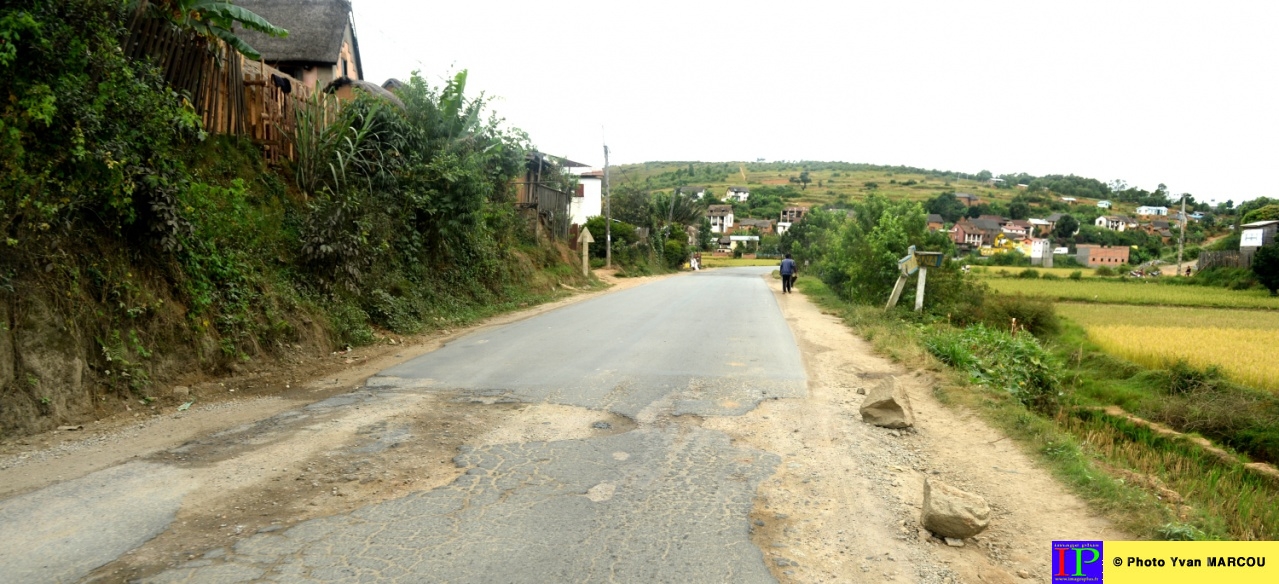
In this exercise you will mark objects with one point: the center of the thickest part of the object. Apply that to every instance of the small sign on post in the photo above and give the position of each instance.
(915, 261)
(584, 241)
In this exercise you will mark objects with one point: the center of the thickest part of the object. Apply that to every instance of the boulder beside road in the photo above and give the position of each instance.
(888, 406)
(950, 512)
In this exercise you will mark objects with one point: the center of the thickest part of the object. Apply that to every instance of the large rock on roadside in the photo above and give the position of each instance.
(950, 512)
(887, 405)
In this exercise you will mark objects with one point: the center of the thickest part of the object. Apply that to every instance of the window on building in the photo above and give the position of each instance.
(581, 190)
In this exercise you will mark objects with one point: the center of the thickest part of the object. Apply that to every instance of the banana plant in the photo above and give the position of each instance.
(215, 18)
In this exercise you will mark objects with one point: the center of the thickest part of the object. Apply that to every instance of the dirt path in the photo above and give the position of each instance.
(845, 504)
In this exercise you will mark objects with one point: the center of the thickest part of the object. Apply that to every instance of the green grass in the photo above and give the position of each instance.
(1114, 465)
(1140, 292)
(1010, 271)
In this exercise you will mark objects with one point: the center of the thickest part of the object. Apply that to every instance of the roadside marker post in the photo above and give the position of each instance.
(915, 261)
(584, 241)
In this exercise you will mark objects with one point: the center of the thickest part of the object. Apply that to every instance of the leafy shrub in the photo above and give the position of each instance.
(1050, 276)
(1034, 315)
(1017, 364)
(1029, 274)
(675, 252)
(1076, 275)
(1105, 271)
(1184, 378)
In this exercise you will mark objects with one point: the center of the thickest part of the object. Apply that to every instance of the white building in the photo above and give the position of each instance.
(783, 227)
(737, 194)
(1147, 210)
(588, 198)
(721, 217)
(1114, 222)
(1103, 204)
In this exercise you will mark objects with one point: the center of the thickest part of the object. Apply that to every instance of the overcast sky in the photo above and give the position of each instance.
(1183, 93)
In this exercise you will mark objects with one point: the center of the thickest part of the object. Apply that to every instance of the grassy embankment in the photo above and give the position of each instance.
(1150, 484)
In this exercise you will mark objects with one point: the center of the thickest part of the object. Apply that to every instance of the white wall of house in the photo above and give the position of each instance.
(1146, 210)
(721, 224)
(1111, 223)
(590, 204)
(1103, 204)
(783, 227)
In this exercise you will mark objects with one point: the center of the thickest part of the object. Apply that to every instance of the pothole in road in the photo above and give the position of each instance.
(275, 474)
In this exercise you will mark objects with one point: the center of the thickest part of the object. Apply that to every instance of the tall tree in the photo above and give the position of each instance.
(1066, 227)
(1265, 263)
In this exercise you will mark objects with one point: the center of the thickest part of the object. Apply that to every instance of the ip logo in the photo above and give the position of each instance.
(1075, 562)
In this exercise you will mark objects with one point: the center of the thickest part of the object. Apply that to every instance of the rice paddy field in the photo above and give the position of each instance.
(1240, 342)
(1000, 271)
(1149, 293)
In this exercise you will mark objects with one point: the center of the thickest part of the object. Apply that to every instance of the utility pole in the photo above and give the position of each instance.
(608, 216)
(1181, 245)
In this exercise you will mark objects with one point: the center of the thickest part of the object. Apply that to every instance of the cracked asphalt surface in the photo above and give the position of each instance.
(661, 499)
(665, 502)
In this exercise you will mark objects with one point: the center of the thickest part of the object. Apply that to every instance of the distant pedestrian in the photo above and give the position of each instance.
(1187, 271)
(789, 271)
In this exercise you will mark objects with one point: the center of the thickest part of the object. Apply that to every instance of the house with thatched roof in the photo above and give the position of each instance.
(321, 46)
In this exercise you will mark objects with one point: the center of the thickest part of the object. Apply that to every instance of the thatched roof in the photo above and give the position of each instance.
(367, 86)
(315, 29)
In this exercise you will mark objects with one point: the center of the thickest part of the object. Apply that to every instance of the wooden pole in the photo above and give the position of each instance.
(919, 289)
(897, 292)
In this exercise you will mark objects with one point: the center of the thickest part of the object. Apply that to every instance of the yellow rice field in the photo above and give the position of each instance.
(1240, 342)
(1109, 291)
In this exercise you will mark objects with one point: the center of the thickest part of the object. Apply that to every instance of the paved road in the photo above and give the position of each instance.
(665, 502)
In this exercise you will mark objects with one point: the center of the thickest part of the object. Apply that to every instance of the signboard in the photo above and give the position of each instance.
(1252, 238)
(928, 259)
(585, 236)
(908, 265)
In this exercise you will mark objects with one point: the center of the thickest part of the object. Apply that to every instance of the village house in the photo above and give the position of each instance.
(1052, 220)
(967, 199)
(1040, 227)
(975, 233)
(1257, 234)
(1096, 255)
(1103, 204)
(739, 194)
(588, 197)
(789, 217)
(698, 193)
(321, 46)
(1162, 229)
(1016, 229)
(1115, 222)
(936, 222)
(721, 218)
(1069, 200)
(763, 226)
(1149, 211)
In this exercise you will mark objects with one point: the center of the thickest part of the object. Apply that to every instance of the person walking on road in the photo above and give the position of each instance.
(789, 271)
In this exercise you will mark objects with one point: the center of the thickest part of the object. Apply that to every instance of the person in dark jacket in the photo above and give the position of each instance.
(789, 271)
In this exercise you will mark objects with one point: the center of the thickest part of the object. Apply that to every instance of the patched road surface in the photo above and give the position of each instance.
(700, 428)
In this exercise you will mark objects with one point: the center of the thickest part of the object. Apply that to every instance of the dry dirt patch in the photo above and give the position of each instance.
(844, 505)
